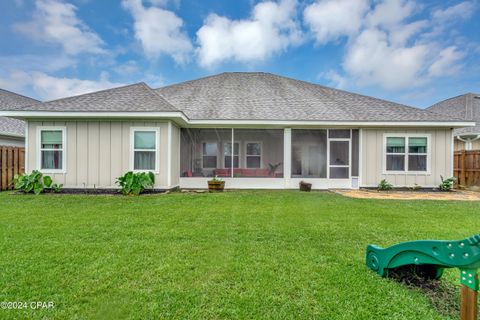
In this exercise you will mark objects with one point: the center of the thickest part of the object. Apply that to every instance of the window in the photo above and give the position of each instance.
(227, 154)
(407, 153)
(209, 155)
(52, 149)
(145, 149)
(395, 154)
(417, 154)
(254, 155)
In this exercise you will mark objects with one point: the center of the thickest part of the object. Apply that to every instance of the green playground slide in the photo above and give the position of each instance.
(430, 257)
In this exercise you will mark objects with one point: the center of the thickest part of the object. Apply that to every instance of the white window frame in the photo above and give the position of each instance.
(132, 148)
(202, 155)
(253, 155)
(233, 155)
(63, 149)
(407, 153)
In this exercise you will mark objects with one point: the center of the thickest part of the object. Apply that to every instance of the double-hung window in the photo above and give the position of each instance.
(406, 153)
(253, 154)
(145, 149)
(52, 149)
(227, 154)
(209, 155)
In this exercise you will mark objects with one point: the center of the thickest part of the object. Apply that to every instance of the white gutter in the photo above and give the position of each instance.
(183, 120)
(13, 135)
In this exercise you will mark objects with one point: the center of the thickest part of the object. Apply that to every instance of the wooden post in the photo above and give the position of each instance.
(462, 168)
(468, 303)
(468, 293)
(3, 173)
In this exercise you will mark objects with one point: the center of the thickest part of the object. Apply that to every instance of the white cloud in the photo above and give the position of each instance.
(384, 49)
(447, 62)
(48, 87)
(390, 13)
(372, 59)
(57, 23)
(127, 68)
(330, 19)
(335, 79)
(271, 28)
(463, 10)
(159, 31)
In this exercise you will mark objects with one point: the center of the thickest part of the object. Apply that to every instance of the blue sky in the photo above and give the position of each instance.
(413, 52)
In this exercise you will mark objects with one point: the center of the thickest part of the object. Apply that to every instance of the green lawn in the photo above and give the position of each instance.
(237, 255)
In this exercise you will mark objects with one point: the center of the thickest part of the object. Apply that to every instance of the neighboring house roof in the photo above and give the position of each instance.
(135, 97)
(466, 107)
(264, 96)
(9, 126)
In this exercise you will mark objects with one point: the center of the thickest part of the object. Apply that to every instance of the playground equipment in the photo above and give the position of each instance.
(430, 258)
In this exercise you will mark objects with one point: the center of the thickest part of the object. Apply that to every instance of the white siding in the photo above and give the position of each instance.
(99, 151)
(372, 154)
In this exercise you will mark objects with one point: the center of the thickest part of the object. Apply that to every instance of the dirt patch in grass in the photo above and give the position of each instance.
(444, 297)
(461, 195)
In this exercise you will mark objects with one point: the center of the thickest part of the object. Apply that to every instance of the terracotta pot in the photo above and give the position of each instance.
(216, 185)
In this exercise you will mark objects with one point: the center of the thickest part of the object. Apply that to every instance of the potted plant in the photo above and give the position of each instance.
(216, 184)
(273, 168)
(304, 186)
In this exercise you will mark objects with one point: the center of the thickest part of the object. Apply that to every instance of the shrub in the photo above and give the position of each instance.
(416, 187)
(447, 184)
(384, 185)
(135, 183)
(35, 182)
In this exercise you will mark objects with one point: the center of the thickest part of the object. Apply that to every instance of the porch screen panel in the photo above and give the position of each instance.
(260, 153)
(339, 159)
(205, 152)
(309, 153)
(355, 152)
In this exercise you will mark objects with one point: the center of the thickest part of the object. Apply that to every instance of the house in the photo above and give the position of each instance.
(467, 107)
(254, 130)
(12, 131)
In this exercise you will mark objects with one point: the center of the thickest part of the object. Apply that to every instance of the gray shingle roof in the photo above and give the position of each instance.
(264, 96)
(135, 97)
(466, 106)
(9, 126)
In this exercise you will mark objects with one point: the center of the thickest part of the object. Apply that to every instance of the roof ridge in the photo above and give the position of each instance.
(18, 94)
(454, 97)
(162, 97)
(94, 92)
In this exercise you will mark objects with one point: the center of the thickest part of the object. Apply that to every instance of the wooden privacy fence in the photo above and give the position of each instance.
(12, 162)
(467, 167)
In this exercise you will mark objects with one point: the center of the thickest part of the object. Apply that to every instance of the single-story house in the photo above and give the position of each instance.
(254, 130)
(466, 107)
(12, 131)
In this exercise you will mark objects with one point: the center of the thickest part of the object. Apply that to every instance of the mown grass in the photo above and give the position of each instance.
(237, 255)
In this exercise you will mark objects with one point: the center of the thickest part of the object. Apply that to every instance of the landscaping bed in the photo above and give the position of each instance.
(234, 255)
(424, 194)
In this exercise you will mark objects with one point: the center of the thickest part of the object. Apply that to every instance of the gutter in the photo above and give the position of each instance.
(181, 119)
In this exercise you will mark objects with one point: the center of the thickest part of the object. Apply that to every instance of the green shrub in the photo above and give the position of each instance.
(384, 185)
(35, 182)
(447, 184)
(135, 183)
(416, 187)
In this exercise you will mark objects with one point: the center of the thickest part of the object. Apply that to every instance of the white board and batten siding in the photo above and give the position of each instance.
(373, 158)
(99, 151)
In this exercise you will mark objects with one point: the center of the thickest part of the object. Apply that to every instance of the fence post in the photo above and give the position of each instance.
(462, 168)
